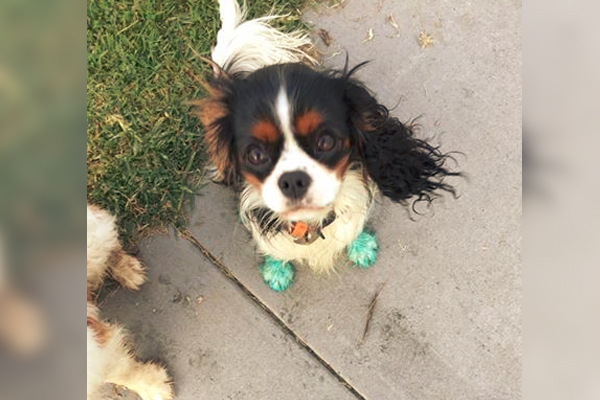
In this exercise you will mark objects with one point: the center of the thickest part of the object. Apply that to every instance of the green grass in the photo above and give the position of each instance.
(144, 150)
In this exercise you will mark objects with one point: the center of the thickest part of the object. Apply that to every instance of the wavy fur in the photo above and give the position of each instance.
(402, 166)
(109, 356)
(245, 46)
(105, 255)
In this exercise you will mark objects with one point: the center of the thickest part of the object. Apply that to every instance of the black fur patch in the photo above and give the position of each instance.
(401, 165)
(404, 166)
(267, 221)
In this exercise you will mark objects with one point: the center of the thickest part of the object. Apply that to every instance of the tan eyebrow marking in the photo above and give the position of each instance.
(265, 131)
(308, 122)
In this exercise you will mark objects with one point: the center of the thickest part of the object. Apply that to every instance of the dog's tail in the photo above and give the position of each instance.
(245, 46)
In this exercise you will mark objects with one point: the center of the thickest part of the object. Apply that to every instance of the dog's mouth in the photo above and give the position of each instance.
(306, 213)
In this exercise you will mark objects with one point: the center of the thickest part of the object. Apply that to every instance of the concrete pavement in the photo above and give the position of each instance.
(447, 320)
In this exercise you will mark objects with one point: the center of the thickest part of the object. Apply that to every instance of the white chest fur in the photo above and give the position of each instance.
(351, 207)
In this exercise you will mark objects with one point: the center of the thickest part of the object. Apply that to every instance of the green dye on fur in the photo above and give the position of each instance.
(277, 274)
(363, 251)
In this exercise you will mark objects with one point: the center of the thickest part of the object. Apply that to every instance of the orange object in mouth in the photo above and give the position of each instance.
(299, 229)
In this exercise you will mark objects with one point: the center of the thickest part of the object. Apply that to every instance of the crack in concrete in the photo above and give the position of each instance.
(280, 322)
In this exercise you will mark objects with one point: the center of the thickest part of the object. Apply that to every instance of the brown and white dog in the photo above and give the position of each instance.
(110, 359)
(307, 149)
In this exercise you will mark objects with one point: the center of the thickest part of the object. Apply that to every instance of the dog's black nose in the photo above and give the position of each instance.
(294, 185)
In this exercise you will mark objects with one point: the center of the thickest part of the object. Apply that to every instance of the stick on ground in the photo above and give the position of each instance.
(370, 312)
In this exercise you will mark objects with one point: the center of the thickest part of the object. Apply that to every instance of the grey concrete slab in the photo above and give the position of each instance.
(216, 343)
(447, 322)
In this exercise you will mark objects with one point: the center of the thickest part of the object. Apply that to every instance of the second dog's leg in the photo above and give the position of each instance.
(127, 270)
(149, 380)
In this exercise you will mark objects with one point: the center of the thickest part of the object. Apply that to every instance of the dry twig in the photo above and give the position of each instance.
(370, 312)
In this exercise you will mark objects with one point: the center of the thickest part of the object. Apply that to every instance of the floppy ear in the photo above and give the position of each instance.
(401, 165)
(214, 112)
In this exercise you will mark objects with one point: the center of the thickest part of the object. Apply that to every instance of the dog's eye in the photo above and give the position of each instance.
(325, 143)
(256, 156)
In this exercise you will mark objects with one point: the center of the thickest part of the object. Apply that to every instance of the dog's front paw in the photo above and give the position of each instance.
(363, 251)
(278, 274)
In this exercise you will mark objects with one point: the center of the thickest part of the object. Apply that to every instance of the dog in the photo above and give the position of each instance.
(110, 358)
(308, 150)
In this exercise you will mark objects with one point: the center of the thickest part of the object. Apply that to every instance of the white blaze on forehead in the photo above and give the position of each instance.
(284, 113)
(324, 182)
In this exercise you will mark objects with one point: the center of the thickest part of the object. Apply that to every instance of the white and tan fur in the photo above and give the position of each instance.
(105, 255)
(352, 206)
(110, 359)
(245, 46)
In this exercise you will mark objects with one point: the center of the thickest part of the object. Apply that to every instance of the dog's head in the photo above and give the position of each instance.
(290, 133)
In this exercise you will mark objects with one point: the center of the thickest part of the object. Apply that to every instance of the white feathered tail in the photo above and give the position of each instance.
(245, 46)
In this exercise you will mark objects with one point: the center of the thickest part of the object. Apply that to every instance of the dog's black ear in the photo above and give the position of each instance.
(401, 165)
(214, 111)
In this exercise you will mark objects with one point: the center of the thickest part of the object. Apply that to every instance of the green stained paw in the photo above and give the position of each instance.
(363, 251)
(277, 274)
